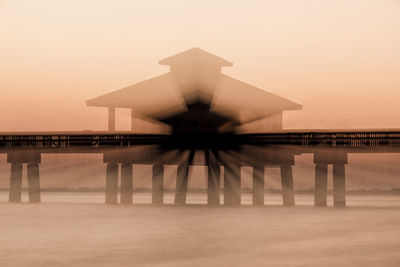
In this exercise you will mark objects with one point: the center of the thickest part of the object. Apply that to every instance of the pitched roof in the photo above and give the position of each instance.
(154, 98)
(245, 102)
(195, 55)
(169, 94)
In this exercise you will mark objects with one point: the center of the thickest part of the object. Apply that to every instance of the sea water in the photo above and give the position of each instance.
(77, 229)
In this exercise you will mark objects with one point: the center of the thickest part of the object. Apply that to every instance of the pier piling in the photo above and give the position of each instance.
(339, 185)
(126, 183)
(15, 183)
(321, 185)
(232, 190)
(258, 185)
(112, 183)
(287, 185)
(213, 189)
(33, 183)
(158, 184)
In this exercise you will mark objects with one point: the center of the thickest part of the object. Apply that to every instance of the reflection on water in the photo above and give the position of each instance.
(76, 229)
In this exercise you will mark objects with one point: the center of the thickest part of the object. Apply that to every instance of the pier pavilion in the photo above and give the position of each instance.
(199, 103)
(195, 82)
(203, 108)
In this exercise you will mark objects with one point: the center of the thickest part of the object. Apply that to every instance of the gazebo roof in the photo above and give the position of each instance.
(195, 55)
(245, 102)
(198, 80)
(155, 98)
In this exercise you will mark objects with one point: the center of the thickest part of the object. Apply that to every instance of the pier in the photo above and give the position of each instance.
(221, 153)
(201, 111)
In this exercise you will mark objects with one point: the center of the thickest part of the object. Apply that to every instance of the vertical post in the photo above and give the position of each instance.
(339, 185)
(15, 182)
(112, 183)
(214, 180)
(111, 119)
(258, 185)
(321, 185)
(158, 184)
(183, 178)
(126, 183)
(181, 183)
(33, 183)
(132, 119)
(232, 190)
(287, 185)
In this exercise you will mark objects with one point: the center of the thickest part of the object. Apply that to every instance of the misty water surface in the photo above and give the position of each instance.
(76, 229)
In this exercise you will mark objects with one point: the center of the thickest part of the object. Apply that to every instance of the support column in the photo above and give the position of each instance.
(232, 190)
(126, 183)
(112, 183)
(287, 185)
(132, 119)
(321, 185)
(258, 185)
(213, 189)
(15, 183)
(339, 185)
(33, 183)
(158, 184)
(111, 119)
(181, 184)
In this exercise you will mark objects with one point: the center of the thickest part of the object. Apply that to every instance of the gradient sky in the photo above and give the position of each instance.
(339, 58)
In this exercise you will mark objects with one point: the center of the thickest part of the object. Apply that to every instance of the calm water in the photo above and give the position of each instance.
(201, 199)
(76, 229)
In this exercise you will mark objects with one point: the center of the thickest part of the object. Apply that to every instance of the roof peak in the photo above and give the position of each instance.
(195, 54)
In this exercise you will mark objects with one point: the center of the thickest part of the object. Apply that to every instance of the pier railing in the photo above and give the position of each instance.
(331, 139)
(101, 140)
(77, 140)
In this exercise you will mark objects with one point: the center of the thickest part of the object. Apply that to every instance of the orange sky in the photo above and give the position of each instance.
(339, 58)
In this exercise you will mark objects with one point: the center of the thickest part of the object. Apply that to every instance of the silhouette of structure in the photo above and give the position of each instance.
(195, 90)
(202, 107)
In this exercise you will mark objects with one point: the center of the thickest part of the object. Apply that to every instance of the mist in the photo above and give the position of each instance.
(339, 59)
(78, 188)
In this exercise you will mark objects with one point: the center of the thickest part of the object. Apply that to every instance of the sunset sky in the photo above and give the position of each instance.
(340, 59)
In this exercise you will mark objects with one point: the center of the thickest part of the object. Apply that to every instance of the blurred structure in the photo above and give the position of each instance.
(204, 108)
(195, 93)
